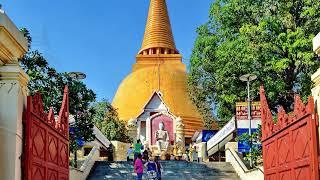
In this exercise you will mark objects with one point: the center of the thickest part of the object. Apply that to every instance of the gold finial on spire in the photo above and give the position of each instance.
(158, 37)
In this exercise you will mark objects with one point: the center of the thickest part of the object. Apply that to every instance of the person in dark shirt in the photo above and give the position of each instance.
(159, 168)
(146, 155)
(151, 169)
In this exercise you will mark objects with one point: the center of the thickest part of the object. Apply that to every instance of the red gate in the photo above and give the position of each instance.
(290, 147)
(46, 149)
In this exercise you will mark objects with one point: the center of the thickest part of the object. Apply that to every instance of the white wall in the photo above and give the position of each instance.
(84, 171)
(316, 76)
(316, 44)
(242, 171)
(13, 90)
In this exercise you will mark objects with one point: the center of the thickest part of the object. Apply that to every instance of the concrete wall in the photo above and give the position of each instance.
(83, 172)
(243, 172)
(316, 76)
(13, 92)
(202, 151)
(13, 43)
(76, 174)
(120, 150)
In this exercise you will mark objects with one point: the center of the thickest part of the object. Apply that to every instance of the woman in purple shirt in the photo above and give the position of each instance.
(138, 167)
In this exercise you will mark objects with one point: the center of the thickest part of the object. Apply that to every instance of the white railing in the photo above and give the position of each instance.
(84, 171)
(222, 137)
(98, 134)
(241, 169)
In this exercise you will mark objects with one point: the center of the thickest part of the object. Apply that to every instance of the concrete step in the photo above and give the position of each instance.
(172, 170)
(171, 165)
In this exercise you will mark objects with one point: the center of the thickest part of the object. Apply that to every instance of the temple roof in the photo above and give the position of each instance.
(158, 37)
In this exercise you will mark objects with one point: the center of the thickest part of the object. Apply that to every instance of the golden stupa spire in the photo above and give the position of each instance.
(158, 37)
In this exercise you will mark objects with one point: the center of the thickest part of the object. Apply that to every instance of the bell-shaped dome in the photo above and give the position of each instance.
(138, 87)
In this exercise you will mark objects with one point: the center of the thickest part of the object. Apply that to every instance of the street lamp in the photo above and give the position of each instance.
(76, 76)
(247, 78)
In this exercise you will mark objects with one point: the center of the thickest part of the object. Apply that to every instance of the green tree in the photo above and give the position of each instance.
(107, 120)
(270, 38)
(50, 84)
(81, 130)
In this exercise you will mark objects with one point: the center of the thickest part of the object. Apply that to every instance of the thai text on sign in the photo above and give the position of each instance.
(242, 110)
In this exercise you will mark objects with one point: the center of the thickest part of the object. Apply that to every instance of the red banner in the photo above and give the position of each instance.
(242, 111)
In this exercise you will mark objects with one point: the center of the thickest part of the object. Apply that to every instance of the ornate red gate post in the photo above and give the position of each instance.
(290, 146)
(46, 148)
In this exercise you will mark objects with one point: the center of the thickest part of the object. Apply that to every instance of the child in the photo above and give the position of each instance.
(151, 169)
(138, 167)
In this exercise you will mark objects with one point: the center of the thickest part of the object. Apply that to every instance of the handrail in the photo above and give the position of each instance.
(222, 133)
(245, 169)
(85, 169)
(88, 159)
(241, 164)
(99, 135)
(218, 144)
(260, 170)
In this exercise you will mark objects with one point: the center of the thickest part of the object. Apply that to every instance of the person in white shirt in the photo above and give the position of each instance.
(129, 153)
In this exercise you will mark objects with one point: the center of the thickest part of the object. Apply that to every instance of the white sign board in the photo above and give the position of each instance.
(316, 44)
(222, 134)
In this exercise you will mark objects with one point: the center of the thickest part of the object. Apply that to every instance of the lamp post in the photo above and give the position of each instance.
(247, 78)
(76, 76)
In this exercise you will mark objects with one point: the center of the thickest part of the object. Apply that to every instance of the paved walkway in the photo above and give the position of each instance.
(173, 170)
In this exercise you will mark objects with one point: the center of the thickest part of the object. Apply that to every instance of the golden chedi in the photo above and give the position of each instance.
(158, 68)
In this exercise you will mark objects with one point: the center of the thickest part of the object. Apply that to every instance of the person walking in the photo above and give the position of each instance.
(138, 167)
(145, 155)
(194, 155)
(186, 155)
(159, 168)
(149, 152)
(190, 154)
(151, 169)
(129, 153)
(137, 149)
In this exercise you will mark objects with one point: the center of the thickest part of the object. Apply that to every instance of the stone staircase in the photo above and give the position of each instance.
(181, 170)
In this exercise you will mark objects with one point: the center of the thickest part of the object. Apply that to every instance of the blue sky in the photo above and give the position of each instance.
(100, 37)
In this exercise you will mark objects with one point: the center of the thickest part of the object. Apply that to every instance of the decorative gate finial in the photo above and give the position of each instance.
(269, 127)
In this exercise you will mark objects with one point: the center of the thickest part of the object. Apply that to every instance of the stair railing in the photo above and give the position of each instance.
(241, 168)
